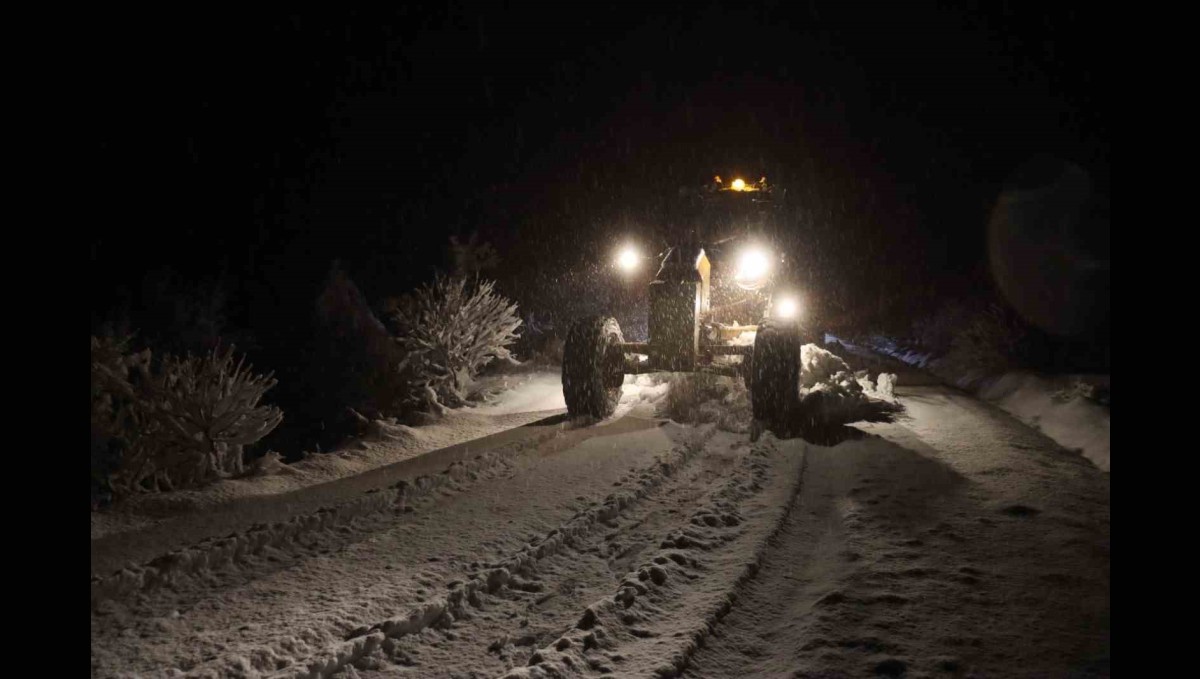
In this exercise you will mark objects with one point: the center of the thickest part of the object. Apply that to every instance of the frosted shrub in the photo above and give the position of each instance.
(184, 425)
(448, 330)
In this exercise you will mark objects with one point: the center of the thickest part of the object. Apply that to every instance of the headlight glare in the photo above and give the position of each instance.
(754, 265)
(628, 258)
(787, 307)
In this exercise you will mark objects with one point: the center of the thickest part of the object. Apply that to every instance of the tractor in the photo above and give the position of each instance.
(726, 266)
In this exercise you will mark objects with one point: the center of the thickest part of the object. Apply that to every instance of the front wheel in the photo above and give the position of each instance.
(592, 369)
(774, 375)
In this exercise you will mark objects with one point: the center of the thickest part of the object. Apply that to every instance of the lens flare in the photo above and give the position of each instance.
(738, 185)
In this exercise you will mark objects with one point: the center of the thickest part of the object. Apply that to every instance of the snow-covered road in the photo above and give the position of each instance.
(958, 542)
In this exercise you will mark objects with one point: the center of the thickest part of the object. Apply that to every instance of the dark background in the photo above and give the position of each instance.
(253, 148)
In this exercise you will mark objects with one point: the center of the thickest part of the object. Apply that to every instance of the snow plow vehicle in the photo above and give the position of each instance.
(706, 282)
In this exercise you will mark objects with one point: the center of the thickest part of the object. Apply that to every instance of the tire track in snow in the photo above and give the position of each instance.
(662, 612)
(344, 522)
(274, 549)
(309, 598)
(286, 537)
(280, 660)
(533, 608)
(970, 550)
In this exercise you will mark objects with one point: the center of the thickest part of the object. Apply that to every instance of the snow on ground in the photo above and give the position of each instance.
(955, 542)
(526, 396)
(525, 393)
(642, 394)
(1057, 408)
(292, 603)
(1061, 407)
(836, 395)
(522, 399)
(647, 394)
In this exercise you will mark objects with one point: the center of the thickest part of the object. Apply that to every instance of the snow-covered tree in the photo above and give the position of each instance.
(179, 426)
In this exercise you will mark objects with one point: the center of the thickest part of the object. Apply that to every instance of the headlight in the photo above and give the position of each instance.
(786, 307)
(754, 265)
(628, 259)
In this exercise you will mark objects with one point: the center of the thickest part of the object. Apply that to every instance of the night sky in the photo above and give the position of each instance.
(259, 147)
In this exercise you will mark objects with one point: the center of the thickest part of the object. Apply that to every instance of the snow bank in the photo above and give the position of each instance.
(1061, 407)
(522, 399)
(648, 388)
(834, 395)
(1057, 408)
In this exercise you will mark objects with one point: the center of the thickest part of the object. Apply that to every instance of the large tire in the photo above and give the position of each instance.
(592, 369)
(774, 376)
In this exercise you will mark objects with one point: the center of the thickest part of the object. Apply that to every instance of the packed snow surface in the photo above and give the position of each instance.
(957, 541)
(1062, 407)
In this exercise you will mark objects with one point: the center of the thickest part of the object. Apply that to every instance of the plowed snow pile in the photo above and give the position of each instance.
(832, 392)
(837, 395)
(1060, 408)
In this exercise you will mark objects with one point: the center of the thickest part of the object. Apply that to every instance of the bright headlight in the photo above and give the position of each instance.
(627, 259)
(752, 269)
(787, 307)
